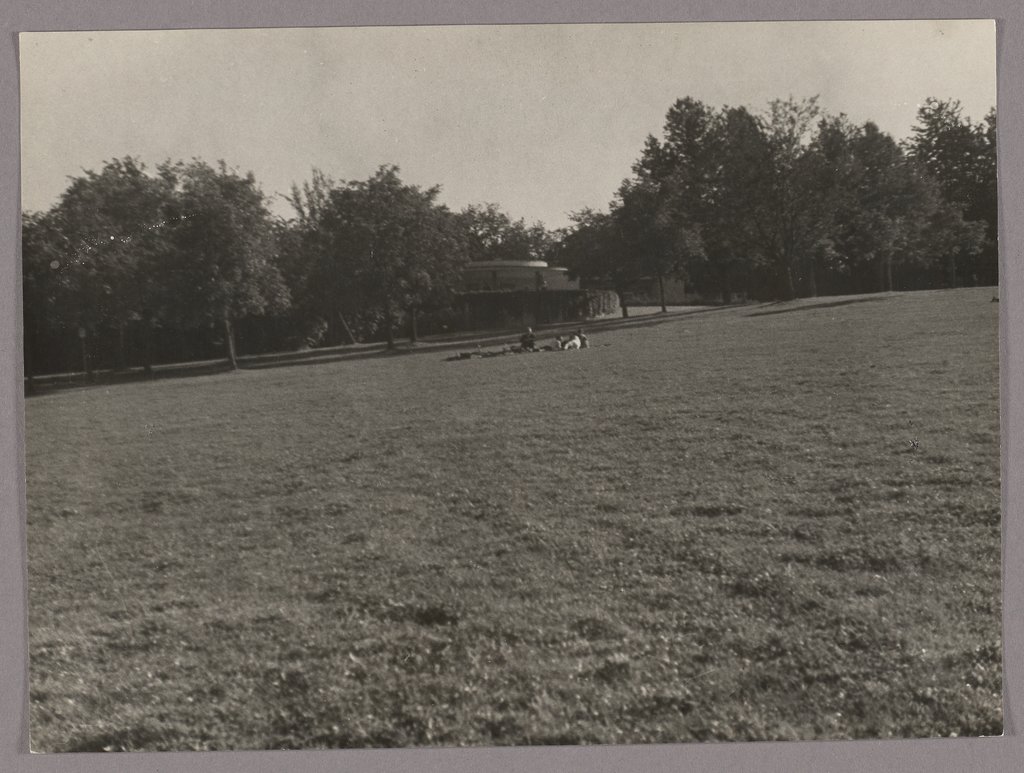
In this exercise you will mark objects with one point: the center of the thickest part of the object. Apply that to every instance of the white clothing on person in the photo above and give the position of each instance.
(573, 343)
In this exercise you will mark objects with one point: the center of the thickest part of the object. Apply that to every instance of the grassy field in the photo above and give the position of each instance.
(767, 522)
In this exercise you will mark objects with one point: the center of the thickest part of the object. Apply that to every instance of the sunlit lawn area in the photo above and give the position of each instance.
(761, 522)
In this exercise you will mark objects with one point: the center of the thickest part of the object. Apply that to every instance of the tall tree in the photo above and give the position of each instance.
(223, 263)
(433, 268)
(737, 163)
(986, 201)
(880, 200)
(594, 249)
(390, 247)
(665, 204)
(313, 263)
(493, 235)
(792, 219)
(961, 155)
(48, 292)
(112, 226)
(656, 232)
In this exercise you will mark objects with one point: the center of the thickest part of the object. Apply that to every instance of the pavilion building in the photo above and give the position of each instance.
(493, 275)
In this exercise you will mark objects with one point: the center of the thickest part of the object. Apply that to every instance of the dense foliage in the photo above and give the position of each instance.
(795, 202)
(132, 267)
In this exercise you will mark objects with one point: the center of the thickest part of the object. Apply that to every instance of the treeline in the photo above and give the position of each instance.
(132, 267)
(137, 267)
(796, 202)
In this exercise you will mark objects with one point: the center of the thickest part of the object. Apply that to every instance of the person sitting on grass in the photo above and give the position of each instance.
(582, 338)
(574, 342)
(528, 341)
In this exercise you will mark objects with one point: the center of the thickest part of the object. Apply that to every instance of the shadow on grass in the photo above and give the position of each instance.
(48, 384)
(44, 385)
(809, 306)
(428, 344)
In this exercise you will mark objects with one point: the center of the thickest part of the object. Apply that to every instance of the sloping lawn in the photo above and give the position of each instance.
(767, 522)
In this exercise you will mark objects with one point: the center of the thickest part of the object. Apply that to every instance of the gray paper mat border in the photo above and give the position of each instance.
(985, 754)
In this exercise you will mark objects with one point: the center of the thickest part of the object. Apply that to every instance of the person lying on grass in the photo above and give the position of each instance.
(576, 341)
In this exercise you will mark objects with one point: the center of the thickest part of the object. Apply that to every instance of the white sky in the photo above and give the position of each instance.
(540, 119)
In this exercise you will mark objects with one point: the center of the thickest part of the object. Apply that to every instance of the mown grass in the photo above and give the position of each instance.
(733, 525)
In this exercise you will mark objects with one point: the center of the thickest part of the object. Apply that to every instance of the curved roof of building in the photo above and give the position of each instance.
(507, 264)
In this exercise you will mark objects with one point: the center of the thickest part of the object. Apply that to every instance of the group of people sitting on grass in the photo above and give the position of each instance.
(528, 342)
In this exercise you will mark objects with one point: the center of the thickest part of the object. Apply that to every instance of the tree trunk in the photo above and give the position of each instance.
(389, 326)
(661, 293)
(788, 286)
(812, 280)
(622, 304)
(86, 359)
(229, 340)
(888, 273)
(122, 357)
(412, 325)
(183, 352)
(349, 338)
(147, 342)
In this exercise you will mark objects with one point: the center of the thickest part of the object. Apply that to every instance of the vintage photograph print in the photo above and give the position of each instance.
(511, 385)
